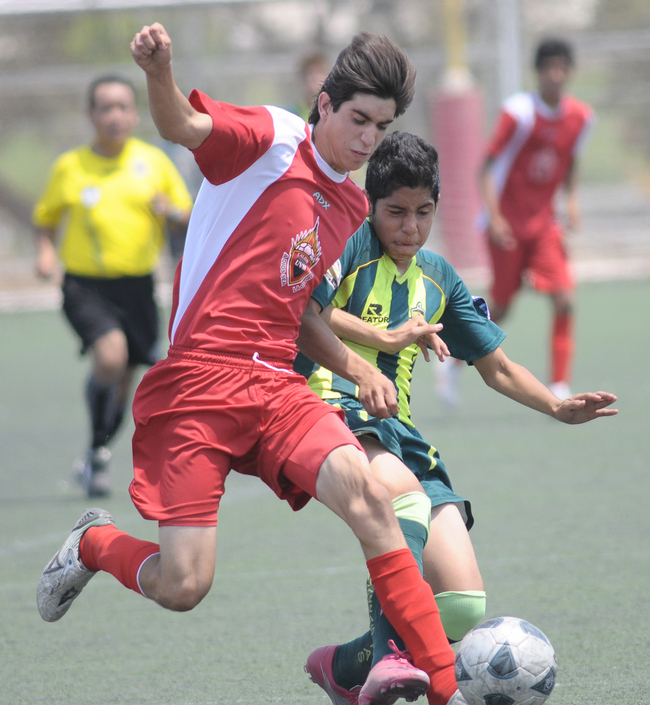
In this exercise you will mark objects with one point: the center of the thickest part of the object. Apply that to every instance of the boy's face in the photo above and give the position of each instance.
(346, 138)
(553, 75)
(403, 222)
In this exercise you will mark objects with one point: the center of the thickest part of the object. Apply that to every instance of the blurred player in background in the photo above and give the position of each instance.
(532, 154)
(109, 202)
(383, 299)
(313, 71)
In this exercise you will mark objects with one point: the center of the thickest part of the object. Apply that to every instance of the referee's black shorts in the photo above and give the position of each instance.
(96, 306)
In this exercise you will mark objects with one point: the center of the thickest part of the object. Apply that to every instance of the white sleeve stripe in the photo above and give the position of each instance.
(219, 210)
(522, 108)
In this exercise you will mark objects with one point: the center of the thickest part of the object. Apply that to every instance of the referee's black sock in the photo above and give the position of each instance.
(115, 421)
(102, 404)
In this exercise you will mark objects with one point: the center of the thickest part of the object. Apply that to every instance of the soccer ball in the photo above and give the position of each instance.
(505, 661)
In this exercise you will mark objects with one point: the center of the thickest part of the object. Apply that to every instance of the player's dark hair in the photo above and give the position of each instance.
(108, 78)
(551, 48)
(402, 160)
(370, 64)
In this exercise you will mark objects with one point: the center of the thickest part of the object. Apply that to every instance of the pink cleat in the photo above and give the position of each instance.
(319, 668)
(392, 678)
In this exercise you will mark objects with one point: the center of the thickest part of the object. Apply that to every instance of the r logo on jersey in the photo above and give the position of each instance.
(296, 266)
(374, 314)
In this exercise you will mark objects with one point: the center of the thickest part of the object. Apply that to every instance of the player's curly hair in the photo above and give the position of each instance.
(553, 47)
(370, 64)
(402, 160)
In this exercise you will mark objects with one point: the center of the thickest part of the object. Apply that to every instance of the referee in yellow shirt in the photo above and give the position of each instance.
(106, 205)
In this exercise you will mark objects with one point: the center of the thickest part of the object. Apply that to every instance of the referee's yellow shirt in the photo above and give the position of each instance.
(104, 206)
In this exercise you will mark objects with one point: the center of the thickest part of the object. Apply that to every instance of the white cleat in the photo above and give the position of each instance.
(65, 575)
(448, 374)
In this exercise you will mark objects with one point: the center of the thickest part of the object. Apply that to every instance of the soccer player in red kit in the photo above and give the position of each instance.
(533, 153)
(274, 212)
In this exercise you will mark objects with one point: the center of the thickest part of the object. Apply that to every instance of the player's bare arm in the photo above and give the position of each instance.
(499, 229)
(376, 392)
(572, 205)
(46, 258)
(516, 382)
(162, 205)
(416, 330)
(172, 113)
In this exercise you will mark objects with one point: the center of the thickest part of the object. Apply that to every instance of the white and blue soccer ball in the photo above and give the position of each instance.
(505, 661)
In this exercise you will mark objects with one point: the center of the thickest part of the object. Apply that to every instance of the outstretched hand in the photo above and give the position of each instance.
(581, 408)
(151, 48)
(436, 343)
(417, 330)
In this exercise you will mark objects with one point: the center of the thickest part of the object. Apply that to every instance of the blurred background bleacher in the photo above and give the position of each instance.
(248, 52)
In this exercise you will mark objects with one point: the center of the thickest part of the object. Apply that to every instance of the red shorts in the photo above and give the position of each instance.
(541, 260)
(198, 415)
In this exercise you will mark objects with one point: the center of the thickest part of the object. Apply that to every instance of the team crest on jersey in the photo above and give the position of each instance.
(543, 165)
(296, 268)
(417, 310)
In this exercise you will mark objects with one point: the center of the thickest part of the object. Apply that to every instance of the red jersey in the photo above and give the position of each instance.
(270, 218)
(533, 147)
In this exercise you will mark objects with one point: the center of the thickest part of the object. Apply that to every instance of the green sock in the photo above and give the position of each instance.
(352, 662)
(460, 611)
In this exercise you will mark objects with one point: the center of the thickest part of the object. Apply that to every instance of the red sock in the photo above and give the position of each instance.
(562, 348)
(111, 550)
(410, 607)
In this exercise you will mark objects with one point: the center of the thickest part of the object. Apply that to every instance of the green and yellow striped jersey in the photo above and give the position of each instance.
(366, 283)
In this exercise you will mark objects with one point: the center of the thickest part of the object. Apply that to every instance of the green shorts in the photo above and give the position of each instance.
(408, 445)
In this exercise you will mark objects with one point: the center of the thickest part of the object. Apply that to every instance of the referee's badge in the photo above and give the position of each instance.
(141, 168)
(91, 196)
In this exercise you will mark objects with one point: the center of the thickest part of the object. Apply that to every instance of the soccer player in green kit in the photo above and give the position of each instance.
(386, 298)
